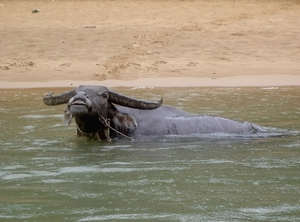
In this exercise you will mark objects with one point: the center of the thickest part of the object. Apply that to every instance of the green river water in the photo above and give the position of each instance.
(47, 173)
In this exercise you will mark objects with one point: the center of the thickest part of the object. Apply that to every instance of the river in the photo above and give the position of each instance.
(47, 173)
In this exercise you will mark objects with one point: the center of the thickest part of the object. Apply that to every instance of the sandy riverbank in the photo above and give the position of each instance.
(149, 43)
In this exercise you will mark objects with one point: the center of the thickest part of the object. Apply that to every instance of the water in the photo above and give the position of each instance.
(48, 174)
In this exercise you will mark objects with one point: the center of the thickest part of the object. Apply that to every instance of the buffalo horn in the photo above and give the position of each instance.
(60, 99)
(132, 103)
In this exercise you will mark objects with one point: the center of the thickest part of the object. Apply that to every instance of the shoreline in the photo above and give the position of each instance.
(164, 82)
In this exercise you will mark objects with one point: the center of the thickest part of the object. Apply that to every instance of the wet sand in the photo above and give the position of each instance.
(232, 81)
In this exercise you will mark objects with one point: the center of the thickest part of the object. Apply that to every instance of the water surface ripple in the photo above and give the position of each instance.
(48, 174)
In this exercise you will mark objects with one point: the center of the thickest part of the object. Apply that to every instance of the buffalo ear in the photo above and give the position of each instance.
(124, 123)
(67, 117)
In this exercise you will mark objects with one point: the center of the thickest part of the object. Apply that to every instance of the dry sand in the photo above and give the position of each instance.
(149, 43)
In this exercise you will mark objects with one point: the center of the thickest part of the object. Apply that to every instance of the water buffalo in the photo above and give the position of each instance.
(96, 116)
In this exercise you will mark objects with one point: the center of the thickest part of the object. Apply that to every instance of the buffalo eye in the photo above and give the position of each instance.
(104, 95)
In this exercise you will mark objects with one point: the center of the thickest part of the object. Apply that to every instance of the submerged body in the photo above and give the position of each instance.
(96, 116)
(167, 120)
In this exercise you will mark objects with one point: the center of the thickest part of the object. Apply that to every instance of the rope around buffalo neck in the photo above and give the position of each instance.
(106, 123)
(106, 130)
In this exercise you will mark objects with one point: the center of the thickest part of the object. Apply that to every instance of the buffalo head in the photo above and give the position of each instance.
(94, 112)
